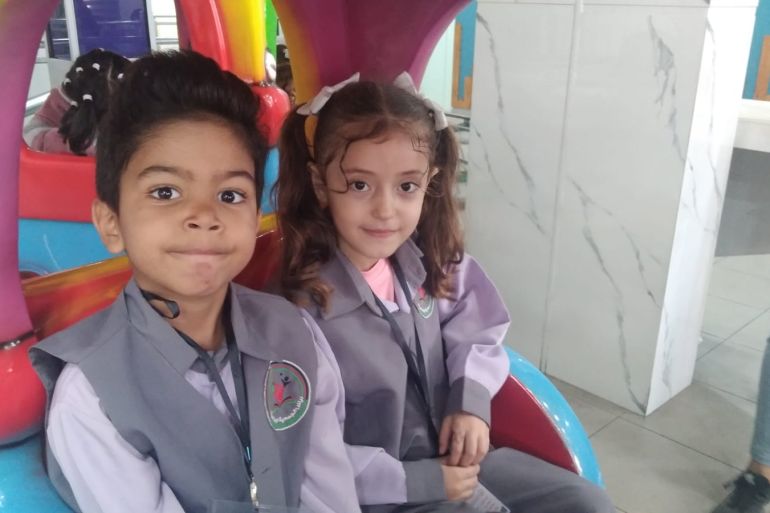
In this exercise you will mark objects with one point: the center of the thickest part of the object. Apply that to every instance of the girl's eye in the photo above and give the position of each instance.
(164, 193)
(230, 196)
(359, 186)
(409, 187)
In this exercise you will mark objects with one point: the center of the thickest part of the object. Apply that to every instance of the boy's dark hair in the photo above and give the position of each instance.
(88, 83)
(361, 111)
(165, 87)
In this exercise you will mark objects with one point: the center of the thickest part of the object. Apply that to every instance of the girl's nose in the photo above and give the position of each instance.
(384, 204)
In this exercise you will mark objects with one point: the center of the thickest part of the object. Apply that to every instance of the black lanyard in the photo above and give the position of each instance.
(416, 369)
(239, 419)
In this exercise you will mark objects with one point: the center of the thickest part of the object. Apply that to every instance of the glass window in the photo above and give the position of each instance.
(58, 36)
(116, 25)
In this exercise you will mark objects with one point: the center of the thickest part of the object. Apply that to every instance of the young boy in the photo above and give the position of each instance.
(190, 393)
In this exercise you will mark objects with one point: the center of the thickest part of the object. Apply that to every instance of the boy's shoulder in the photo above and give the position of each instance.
(77, 341)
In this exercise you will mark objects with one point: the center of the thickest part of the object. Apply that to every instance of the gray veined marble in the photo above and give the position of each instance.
(530, 211)
(599, 152)
(620, 313)
(665, 71)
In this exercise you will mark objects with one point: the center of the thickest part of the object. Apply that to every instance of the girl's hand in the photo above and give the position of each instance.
(466, 437)
(459, 482)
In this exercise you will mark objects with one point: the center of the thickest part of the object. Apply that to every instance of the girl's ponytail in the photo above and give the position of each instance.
(439, 234)
(88, 86)
(308, 232)
(78, 126)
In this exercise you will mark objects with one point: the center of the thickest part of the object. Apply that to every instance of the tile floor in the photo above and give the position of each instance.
(677, 459)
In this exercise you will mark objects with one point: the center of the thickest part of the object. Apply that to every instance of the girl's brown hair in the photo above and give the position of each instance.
(360, 111)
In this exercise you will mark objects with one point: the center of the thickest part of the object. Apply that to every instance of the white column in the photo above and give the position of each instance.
(600, 145)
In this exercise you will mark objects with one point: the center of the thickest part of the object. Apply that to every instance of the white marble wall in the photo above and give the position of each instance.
(728, 34)
(585, 202)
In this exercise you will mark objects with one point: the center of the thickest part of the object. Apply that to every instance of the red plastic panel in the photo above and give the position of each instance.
(204, 28)
(274, 105)
(55, 186)
(518, 421)
(264, 263)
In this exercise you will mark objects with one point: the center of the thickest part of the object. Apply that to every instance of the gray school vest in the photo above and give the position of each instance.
(380, 409)
(136, 363)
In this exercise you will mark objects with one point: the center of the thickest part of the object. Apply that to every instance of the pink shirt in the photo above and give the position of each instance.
(380, 280)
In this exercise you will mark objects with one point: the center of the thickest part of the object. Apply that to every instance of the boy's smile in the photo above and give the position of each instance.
(187, 215)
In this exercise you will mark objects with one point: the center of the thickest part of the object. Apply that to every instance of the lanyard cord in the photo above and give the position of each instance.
(416, 369)
(239, 419)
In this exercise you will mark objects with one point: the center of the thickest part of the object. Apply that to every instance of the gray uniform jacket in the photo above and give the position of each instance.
(136, 362)
(465, 364)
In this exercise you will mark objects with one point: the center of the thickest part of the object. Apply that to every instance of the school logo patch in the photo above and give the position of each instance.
(424, 303)
(287, 394)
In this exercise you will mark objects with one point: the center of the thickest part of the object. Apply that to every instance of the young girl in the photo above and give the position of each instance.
(373, 250)
(190, 393)
(68, 120)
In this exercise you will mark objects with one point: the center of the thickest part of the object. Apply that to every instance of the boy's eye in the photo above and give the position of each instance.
(164, 193)
(409, 187)
(359, 186)
(231, 197)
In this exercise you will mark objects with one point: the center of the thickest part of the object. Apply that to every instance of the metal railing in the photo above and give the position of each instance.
(33, 104)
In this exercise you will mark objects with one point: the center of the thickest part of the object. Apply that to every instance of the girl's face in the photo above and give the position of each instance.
(187, 212)
(384, 182)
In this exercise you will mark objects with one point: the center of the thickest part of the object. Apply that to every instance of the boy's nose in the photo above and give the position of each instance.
(203, 217)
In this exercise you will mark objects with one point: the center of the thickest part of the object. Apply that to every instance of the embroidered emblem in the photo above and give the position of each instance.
(287, 394)
(424, 303)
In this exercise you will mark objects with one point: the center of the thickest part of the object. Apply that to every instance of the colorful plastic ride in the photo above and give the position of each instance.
(336, 37)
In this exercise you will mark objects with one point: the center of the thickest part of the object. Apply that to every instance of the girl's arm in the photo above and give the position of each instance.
(474, 322)
(105, 472)
(382, 479)
(378, 478)
(329, 483)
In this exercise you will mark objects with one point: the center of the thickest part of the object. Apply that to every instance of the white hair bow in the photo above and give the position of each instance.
(315, 105)
(403, 81)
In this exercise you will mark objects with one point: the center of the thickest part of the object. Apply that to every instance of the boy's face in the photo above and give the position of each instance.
(188, 210)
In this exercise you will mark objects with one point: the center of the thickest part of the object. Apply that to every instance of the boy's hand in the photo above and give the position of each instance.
(466, 437)
(459, 481)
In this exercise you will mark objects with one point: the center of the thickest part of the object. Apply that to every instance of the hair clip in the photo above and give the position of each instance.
(73, 103)
(78, 70)
(96, 66)
(88, 98)
(66, 81)
(120, 76)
